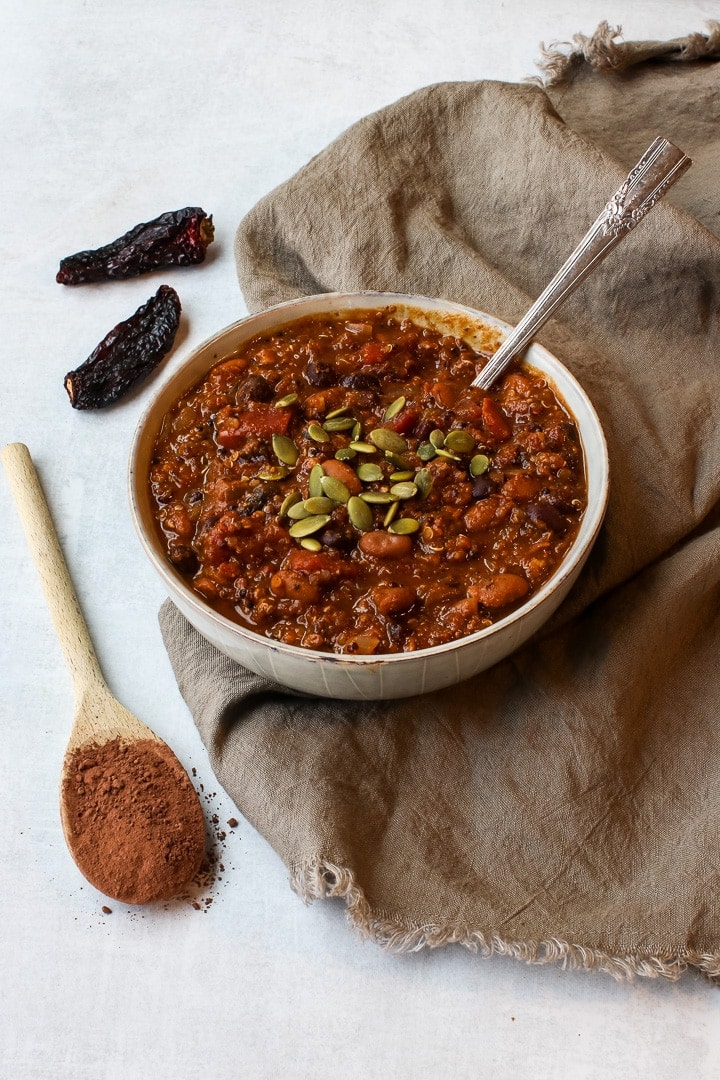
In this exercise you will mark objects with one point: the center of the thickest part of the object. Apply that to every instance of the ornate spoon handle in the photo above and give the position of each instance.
(659, 167)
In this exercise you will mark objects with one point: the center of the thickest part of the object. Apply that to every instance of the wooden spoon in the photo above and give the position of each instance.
(131, 817)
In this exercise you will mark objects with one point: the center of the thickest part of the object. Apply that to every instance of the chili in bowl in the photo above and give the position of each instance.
(332, 504)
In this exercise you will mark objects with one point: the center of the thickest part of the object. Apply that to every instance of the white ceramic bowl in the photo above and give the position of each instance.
(391, 675)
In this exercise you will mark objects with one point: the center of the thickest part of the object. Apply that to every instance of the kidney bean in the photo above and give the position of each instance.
(545, 514)
(386, 545)
(345, 473)
(254, 388)
(319, 373)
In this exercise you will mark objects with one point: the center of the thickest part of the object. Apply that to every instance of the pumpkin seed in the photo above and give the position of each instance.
(368, 471)
(310, 543)
(283, 403)
(345, 453)
(423, 482)
(404, 491)
(315, 480)
(391, 514)
(356, 431)
(339, 423)
(379, 498)
(404, 474)
(317, 433)
(385, 439)
(437, 438)
(446, 454)
(318, 504)
(363, 447)
(309, 525)
(459, 440)
(297, 512)
(426, 451)
(404, 526)
(394, 408)
(337, 412)
(290, 499)
(359, 513)
(395, 460)
(479, 465)
(273, 472)
(334, 489)
(285, 449)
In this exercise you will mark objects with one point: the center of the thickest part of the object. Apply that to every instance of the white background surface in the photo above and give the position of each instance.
(110, 113)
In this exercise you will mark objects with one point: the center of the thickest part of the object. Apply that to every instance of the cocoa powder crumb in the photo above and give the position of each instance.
(106, 910)
(233, 822)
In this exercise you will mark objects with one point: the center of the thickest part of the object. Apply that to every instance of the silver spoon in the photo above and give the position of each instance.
(657, 170)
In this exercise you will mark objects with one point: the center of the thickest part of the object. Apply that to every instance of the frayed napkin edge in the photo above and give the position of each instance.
(324, 879)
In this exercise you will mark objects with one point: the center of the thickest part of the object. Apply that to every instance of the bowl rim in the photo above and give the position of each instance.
(333, 301)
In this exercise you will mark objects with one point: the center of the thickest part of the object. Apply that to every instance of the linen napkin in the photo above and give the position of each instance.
(565, 805)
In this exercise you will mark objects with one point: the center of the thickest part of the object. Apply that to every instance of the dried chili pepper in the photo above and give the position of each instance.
(127, 354)
(177, 238)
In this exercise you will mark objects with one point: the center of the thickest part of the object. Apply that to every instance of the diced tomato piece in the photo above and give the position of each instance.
(404, 422)
(372, 352)
(494, 420)
(234, 425)
(446, 394)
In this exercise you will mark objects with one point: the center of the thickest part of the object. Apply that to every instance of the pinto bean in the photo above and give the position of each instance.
(386, 545)
(500, 590)
(485, 513)
(294, 586)
(521, 488)
(393, 599)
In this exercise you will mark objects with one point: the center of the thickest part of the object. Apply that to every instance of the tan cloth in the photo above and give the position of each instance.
(566, 804)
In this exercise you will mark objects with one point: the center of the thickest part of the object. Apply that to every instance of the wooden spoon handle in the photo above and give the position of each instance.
(47, 554)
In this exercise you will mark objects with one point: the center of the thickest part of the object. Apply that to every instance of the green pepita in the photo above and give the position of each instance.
(479, 465)
(337, 412)
(339, 423)
(310, 543)
(315, 480)
(273, 472)
(285, 449)
(403, 474)
(283, 403)
(404, 490)
(394, 408)
(437, 438)
(360, 514)
(345, 453)
(459, 440)
(378, 498)
(404, 526)
(291, 499)
(386, 439)
(334, 489)
(426, 451)
(309, 525)
(356, 431)
(396, 460)
(297, 512)
(441, 452)
(391, 514)
(368, 472)
(362, 447)
(317, 434)
(423, 482)
(318, 504)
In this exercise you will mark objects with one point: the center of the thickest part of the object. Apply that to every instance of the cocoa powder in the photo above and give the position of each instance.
(132, 819)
